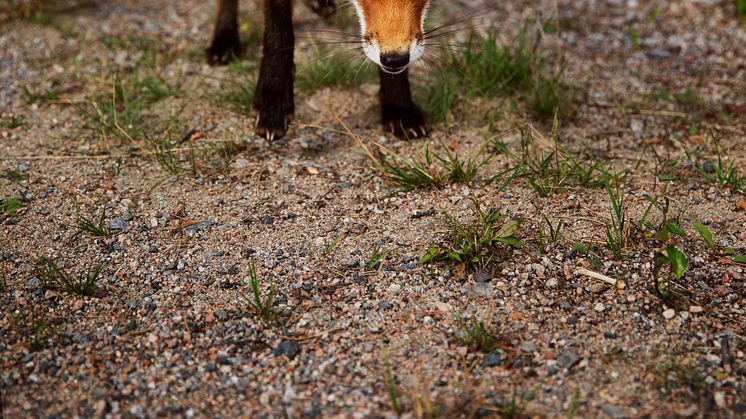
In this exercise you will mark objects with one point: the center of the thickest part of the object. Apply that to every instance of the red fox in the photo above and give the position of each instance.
(391, 35)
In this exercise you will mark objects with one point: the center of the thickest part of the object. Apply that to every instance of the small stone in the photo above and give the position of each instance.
(384, 305)
(152, 249)
(611, 410)
(529, 346)
(482, 276)
(394, 288)
(609, 335)
(572, 320)
(598, 288)
(287, 347)
(567, 359)
(210, 366)
(492, 360)
(696, 309)
(599, 307)
(153, 222)
(669, 314)
(551, 283)
(118, 223)
(200, 226)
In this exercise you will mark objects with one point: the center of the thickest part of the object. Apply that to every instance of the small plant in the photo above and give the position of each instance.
(9, 206)
(33, 324)
(389, 380)
(93, 227)
(616, 233)
(13, 175)
(476, 336)
(375, 259)
(30, 96)
(677, 263)
(554, 233)
(726, 175)
(476, 245)
(672, 374)
(12, 122)
(262, 306)
(741, 9)
(328, 249)
(705, 233)
(55, 278)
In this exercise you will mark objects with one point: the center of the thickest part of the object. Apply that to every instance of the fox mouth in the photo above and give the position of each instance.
(393, 70)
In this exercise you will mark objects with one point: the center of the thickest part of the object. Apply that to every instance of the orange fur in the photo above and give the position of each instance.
(393, 23)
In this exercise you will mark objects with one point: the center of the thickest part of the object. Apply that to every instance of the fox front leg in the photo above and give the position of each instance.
(273, 98)
(399, 114)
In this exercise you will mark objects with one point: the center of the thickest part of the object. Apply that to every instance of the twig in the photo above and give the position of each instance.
(616, 283)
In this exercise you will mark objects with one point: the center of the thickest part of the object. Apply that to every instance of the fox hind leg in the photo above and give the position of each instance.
(226, 43)
(399, 114)
(323, 8)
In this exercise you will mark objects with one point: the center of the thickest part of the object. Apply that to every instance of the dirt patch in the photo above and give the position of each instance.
(191, 200)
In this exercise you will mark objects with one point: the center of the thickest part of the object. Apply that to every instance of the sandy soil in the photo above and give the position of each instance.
(169, 332)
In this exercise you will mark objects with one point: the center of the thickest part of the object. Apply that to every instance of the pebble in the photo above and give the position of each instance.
(567, 359)
(599, 307)
(384, 305)
(696, 309)
(598, 288)
(394, 288)
(529, 346)
(551, 283)
(669, 314)
(290, 348)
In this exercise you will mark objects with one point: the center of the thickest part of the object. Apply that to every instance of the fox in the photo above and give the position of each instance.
(392, 36)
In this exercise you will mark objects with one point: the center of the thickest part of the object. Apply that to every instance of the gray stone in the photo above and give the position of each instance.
(287, 347)
(567, 359)
(529, 346)
(200, 226)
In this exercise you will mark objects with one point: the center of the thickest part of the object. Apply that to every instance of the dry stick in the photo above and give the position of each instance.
(616, 283)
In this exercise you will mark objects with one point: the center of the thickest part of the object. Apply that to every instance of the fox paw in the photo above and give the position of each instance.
(406, 122)
(225, 46)
(273, 111)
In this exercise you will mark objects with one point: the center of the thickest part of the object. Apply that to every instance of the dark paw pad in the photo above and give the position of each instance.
(406, 122)
(225, 46)
(323, 8)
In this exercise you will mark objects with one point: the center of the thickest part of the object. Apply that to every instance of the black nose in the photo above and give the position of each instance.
(394, 61)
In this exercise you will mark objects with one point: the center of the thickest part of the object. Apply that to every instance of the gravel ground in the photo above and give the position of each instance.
(170, 333)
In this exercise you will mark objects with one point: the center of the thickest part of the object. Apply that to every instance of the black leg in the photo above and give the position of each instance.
(323, 8)
(226, 44)
(273, 98)
(399, 114)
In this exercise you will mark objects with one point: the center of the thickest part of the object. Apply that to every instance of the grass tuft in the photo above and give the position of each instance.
(93, 227)
(550, 168)
(262, 306)
(482, 69)
(476, 336)
(474, 245)
(53, 277)
(433, 170)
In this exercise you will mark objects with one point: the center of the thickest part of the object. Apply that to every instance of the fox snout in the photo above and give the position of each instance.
(392, 31)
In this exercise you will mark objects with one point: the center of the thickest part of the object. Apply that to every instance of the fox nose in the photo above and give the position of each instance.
(394, 61)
